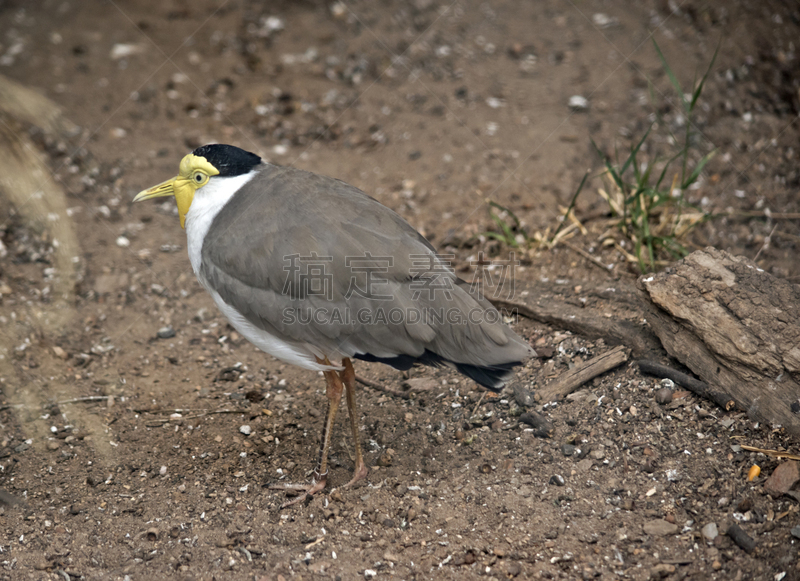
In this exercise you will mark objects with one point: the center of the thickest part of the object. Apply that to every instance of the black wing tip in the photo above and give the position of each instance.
(492, 377)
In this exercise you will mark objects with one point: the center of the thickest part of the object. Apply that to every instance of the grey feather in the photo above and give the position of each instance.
(285, 212)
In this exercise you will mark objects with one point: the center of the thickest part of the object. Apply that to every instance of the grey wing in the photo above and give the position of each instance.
(313, 260)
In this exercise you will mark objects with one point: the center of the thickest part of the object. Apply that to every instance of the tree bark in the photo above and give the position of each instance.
(736, 327)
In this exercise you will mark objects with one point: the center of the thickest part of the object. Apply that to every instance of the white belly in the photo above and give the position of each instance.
(302, 355)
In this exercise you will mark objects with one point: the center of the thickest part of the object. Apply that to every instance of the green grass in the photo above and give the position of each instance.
(651, 211)
(646, 196)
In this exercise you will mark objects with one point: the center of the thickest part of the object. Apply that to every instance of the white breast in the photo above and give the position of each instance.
(207, 203)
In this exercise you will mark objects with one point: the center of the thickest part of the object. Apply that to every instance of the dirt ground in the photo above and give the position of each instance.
(129, 451)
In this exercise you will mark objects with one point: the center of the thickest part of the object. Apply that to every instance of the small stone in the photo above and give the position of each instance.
(662, 570)
(796, 532)
(578, 103)
(124, 50)
(543, 428)
(123, 242)
(557, 480)
(660, 528)
(664, 396)
(417, 384)
(782, 479)
(512, 569)
(710, 531)
(51, 445)
(59, 352)
(523, 397)
(597, 453)
(567, 449)
(716, 565)
(245, 429)
(166, 332)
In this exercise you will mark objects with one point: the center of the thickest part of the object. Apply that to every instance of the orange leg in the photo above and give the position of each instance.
(334, 394)
(348, 377)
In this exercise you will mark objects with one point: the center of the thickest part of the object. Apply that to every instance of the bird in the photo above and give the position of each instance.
(317, 273)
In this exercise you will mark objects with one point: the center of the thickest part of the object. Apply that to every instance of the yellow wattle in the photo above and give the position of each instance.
(184, 194)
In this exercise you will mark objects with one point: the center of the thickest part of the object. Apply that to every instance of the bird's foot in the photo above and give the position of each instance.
(308, 490)
(358, 474)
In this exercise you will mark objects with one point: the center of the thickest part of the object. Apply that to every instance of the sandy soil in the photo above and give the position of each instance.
(128, 450)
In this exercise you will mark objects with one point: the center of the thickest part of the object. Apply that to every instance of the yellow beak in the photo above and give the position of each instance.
(179, 187)
(163, 189)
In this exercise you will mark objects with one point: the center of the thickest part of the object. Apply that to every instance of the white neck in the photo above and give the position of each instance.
(206, 204)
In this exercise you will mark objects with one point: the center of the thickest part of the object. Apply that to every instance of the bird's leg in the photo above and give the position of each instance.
(333, 390)
(348, 377)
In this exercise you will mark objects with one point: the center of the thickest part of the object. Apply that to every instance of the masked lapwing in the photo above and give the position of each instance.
(316, 273)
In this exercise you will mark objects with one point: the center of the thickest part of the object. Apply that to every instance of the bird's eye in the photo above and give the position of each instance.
(199, 177)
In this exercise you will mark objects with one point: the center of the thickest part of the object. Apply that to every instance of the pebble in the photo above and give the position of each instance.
(782, 479)
(796, 532)
(123, 242)
(597, 453)
(664, 395)
(123, 50)
(166, 332)
(523, 397)
(662, 570)
(557, 480)
(567, 449)
(543, 428)
(245, 429)
(578, 103)
(162, 471)
(660, 528)
(710, 531)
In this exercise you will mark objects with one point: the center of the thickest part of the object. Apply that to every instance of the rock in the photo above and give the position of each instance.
(664, 396)
(246, 430)
(796, 532)
(782, 479)
(567, 449)
(710, 531)
(543, 428)
(578, 103)
(557, 480)
(523, 397)
(660, 528)
(420, 384)
(124, 50)
(166, 332)
(597, 453)
(60, 353)
(662, 570)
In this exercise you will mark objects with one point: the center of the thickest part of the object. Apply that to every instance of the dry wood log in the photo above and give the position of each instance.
(736, 327)
(580, 374)
(562, 315)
